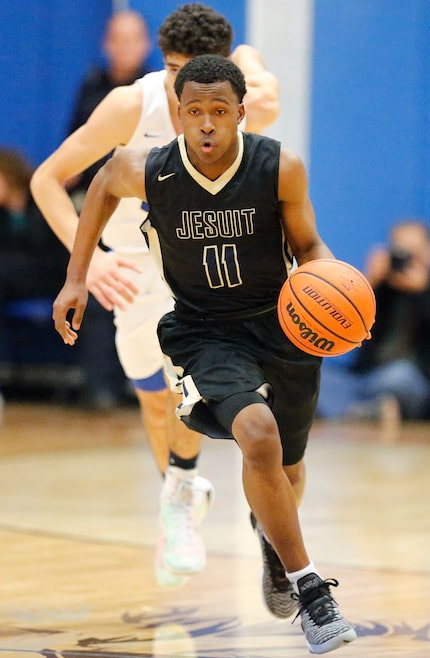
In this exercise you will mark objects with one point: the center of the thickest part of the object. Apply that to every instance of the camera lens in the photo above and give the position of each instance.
(399, 259)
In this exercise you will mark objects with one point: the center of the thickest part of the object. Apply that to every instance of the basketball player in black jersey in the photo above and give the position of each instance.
(223, 207)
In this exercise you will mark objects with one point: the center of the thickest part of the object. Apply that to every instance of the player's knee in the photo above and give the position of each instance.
(296, 473)
(256, 432)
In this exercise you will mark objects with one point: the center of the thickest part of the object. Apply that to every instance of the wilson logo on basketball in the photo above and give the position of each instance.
(323, 344)
(327, 306)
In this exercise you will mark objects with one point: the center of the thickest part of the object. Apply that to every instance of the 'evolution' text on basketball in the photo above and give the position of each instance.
(324, 303)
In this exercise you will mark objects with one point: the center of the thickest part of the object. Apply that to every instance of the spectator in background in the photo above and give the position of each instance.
(126, 46)
(393, 368)
(32, 258)
(32, 262)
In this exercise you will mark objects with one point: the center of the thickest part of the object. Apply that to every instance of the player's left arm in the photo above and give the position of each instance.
(262, 97)
(298, 215)
(122, 176)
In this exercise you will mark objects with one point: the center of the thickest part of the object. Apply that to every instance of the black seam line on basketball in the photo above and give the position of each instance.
(353, 270)
(347, 340)
(316, 276)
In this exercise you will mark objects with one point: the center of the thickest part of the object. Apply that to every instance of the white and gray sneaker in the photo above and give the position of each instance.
(185, 501)
(164, 576)
(324, 626)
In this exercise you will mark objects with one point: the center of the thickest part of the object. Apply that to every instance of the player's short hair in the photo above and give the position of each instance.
(195, 29)
(207, 69)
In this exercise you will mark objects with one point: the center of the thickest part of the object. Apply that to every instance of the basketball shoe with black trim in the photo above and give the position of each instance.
(277, 589)
(324, 626)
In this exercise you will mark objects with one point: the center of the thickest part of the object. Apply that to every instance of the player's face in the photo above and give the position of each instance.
(173, 62)
(210, 114)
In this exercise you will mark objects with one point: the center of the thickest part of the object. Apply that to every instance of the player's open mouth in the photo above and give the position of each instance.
(207, 145)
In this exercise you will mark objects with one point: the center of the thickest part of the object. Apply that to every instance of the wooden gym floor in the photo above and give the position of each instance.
(79, 500)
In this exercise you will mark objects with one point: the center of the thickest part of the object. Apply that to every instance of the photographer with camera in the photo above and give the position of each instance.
(392, 370)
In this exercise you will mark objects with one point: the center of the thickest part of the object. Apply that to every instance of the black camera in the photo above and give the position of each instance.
(399, 259)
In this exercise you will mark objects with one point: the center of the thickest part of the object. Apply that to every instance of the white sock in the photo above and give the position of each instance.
(296, 575)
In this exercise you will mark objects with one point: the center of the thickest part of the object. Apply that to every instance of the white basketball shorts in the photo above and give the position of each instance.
(136, 327)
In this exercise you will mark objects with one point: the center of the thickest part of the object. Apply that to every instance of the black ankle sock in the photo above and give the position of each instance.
(186, 464)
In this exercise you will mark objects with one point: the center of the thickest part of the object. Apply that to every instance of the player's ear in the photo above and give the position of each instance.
(240, 113)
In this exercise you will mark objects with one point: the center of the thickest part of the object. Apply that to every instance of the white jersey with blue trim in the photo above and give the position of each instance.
(155, 128)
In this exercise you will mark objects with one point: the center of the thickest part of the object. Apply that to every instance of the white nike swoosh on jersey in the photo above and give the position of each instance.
(161, 178)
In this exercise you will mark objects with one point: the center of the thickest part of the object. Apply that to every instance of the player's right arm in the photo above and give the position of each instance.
(122, 176)
(112, 123)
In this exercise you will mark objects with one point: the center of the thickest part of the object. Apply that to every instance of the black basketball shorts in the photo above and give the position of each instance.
(221, 367)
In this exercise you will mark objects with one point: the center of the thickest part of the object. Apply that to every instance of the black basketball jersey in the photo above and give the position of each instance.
(220, 244)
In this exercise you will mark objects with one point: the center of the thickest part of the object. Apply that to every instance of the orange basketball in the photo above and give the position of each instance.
(326, 307)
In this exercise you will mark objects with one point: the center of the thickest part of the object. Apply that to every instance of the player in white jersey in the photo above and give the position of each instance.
(146, 114)
(136, 338)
